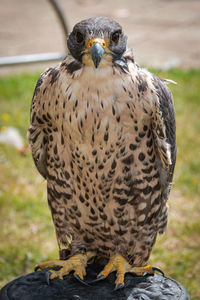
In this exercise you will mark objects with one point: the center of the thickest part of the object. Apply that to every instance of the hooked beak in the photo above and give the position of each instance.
(97, 49)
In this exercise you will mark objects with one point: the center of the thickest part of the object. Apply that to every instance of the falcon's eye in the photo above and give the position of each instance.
(79, 37)
(116, 36)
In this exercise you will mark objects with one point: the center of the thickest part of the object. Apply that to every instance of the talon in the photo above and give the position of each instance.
(116, 263)
(80, 280)
(90, 261)
(119, 264)
(101, 277)
(36, 268)
(158, 270)
(119, 286)
(76, 263)
(47, 277)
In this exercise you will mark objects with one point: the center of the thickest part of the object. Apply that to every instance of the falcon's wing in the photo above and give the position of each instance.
(41, 120)
(164, 130)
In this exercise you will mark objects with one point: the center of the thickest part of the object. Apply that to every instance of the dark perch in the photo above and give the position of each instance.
(34, 287)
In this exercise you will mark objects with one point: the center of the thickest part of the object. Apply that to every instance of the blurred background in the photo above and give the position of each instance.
(165, 37)
(163, 33)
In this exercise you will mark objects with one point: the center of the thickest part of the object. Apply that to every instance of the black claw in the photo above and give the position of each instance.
(98, 279)
(36, 268)
(158, 270)
(90, 261)
(80, 280)
(47, 277)
(119, 286)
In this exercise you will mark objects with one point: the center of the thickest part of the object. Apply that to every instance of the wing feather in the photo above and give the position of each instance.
(40, 118)
(164, 128)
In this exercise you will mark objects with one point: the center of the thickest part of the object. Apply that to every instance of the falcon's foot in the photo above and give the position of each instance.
(119, 264)
(76, 263)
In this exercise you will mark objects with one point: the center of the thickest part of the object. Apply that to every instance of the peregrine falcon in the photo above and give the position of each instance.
(103, 136)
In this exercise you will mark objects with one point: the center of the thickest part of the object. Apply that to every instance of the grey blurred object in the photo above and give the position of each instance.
(40, 57)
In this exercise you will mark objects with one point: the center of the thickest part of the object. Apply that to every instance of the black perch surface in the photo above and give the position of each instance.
(33, 286)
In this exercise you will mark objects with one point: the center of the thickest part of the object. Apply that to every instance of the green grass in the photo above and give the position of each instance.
(27, 234)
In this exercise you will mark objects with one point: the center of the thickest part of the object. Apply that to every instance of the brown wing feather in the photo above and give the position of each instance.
(37, 134)
(165, 127)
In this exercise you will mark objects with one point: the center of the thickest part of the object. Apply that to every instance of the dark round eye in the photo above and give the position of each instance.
(79, 37)
(115, 36)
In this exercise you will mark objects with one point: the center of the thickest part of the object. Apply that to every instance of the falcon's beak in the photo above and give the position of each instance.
(97, 49)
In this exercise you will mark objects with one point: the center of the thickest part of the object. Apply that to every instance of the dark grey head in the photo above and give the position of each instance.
(96, 39)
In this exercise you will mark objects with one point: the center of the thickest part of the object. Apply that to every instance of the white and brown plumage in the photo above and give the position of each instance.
(102, 134)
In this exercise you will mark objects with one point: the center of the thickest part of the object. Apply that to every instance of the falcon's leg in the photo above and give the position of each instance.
(76, 263)
(119, 264)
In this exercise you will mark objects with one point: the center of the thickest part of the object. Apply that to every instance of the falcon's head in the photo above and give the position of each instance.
(96, 41)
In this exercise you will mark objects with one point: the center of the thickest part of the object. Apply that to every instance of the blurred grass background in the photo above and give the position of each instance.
(27, 234)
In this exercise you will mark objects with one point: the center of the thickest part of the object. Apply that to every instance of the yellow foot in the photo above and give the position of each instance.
(119, 264)
(76, 263)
